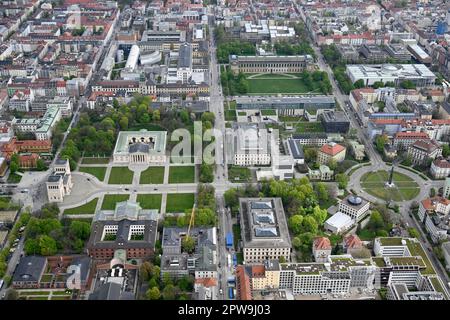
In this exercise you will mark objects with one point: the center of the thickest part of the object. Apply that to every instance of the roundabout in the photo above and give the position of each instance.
(402, 188)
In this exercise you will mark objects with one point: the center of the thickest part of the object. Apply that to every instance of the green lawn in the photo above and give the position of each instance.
(153, 175)
(179, 202)
(306, 126)
(241, 174)
(150, 201)
(34, 293)
(110, 200)
(95, 161)
(14, 178)
(279, 83)
(405, 188)
(182, 174)
(120, 175)
(98, 172)
(37, 298)
(88, 208)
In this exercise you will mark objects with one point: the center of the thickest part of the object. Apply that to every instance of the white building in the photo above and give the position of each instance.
(419, 74)
(440, 168)
(434, 213)
(250, 145)
(446, 192)
(355, 207)
(339, 223)
(140, 147)
(59, 183)
(391, 247)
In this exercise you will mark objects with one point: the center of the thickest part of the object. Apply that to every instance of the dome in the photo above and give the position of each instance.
(354, 200)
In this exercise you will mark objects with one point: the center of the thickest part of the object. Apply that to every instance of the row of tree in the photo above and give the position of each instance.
(164, 288)
(46, 235)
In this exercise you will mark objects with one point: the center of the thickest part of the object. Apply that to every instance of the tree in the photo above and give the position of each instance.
(432, 192)
(380, 141)
(295, 223)
(123, 123)
(11, 294)
(230, 197)
(80, 229)
(14, 163)
(342, 180)
(40, 165)
(407, 84)
(186, 283)
(322, 191)
(206, 173)
(376, 221)
(169, 292)
(378, 84)
(153, 282)
(188, 244)
(166, 279)
(296, 242)
(145, 271)
(282, 259)
(153, 293)
(414, 233)
(332, 164)
(47, 245)
(208, 116)
(32, 247)
(359, 84)
(320, 215)
(445, 150)
(156, 115)
(310, 224)
(310, 154)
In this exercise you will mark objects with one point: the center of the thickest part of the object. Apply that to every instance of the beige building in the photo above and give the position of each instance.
(59, 183)
(264, 230)
(265, 276)
(330, 151)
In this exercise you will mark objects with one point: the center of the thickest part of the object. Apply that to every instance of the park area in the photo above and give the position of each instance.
(120, 175)
(149, 201)
(404, 187)
(239, 174)
(87, 208)
(110, 200)
(153, 175)
(182, 174)
(98, 172)
(179, 202)
(95, 161)
(285, 83)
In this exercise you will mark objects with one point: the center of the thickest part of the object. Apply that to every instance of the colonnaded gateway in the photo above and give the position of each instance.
(140, 147)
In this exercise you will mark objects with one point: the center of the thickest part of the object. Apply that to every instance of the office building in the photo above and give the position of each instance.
(264, 230)
(335, 122)
(271, 64)
(331, 151)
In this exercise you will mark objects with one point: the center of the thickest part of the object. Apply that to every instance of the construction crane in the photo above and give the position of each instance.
(191, 221)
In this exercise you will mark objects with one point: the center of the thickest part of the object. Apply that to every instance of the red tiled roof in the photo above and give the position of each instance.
(207, 282)
(352, 242)
(322, 243)
(243, 290)
(441, 163)
(332, 149)
(430, 203)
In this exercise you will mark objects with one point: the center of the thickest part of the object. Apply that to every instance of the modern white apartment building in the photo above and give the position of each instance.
(355, 207)
(439, 169)
(264, 230)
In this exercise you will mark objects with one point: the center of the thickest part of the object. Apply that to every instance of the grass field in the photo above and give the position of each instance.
(153, 175)
(265, 84)
(88, 208)
(150, 201)
(110, 200)
(374, 184)
(14, 178)
(182, 174)
(305, 126)
(98, 172)
(95, 161)
(179, 202)
(241, 174)
(120, 175)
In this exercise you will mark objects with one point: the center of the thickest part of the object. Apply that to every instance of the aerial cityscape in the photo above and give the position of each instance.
(224, 150)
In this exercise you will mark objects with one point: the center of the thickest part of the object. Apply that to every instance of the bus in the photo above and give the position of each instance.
(230, 293)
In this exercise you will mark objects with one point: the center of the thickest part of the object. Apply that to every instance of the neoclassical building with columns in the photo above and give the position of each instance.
(140, 147)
